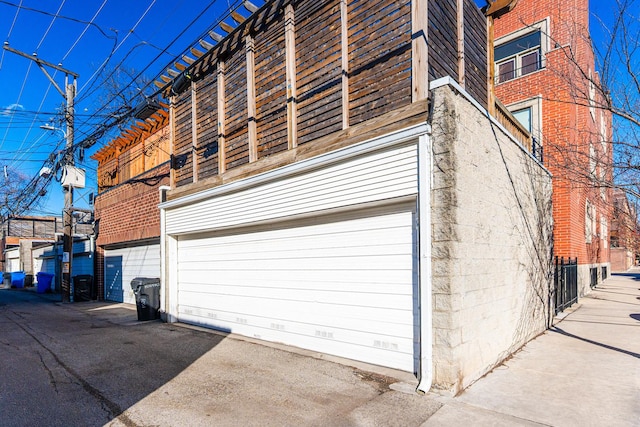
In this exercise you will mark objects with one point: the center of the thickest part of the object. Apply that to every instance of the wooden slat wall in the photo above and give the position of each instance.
(318, 64)
(375, 51)
(124, 170)
(207, 126)
(443, 40)
(271, 90)
(156, 149)
(475, 40)
(182, 145)
(136, 160)
(380, 82)
(107, 173)
(237, 142)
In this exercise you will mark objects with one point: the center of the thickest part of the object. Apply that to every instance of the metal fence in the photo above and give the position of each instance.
(593, 277)
(565, 282)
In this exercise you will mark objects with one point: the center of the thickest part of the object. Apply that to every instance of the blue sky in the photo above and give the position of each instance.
(89, 37)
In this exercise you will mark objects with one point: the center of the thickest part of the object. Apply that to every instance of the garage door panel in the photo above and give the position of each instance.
(293, 308)
(124, 264)
(382, 282)
(372, 229)
(342, 285)
(391, 352)
(319, 296)
(259, 326)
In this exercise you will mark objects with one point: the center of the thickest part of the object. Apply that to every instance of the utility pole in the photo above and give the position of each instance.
(67, 219)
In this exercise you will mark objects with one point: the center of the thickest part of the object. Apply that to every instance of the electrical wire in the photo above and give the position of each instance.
(24, 82)
(13, 23)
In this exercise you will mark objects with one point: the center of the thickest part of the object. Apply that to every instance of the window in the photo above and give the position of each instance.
(524, 117)
(604, 230)
(529, 114)
(589, 222)
(518, 57)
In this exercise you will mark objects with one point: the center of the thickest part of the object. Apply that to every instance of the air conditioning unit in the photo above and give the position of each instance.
(72, 177)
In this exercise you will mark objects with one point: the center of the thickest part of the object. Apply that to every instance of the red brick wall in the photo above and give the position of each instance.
(127, 213)
(567, 122)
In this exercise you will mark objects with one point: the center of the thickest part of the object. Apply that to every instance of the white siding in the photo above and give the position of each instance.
(342, 285)
(125, 264)
(381, 175)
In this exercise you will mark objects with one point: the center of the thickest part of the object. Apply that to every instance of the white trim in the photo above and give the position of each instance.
(425, 162)
(535, 103)
(392, 139)
(542, 26)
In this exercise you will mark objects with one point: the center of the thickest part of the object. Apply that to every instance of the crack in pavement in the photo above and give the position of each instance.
(113, 410)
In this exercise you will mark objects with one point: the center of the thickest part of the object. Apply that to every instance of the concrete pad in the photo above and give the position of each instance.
(456, 415)
(584, 371)
(394, 409)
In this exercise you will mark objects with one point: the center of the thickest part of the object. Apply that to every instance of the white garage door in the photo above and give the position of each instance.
(125, 264)
(342, 284)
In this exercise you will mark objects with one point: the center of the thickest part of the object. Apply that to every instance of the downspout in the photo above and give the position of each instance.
(164, 300)
(424, 270)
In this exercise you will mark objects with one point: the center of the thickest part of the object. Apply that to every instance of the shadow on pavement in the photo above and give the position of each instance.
(94, 356)
(568, 334)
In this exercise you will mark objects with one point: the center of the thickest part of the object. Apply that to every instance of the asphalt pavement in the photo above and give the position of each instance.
(93, 364)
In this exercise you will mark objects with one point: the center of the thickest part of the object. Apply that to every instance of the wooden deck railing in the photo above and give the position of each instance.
(506, 119)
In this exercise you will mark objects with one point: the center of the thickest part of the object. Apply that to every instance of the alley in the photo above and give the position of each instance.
(93, 364)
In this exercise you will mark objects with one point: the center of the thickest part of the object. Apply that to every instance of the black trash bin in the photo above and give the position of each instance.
(147, 291)
(83, 288)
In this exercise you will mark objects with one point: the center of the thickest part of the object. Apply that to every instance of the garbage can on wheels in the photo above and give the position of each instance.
(147, 292)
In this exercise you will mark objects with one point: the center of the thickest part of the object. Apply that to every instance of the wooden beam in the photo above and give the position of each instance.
(172, 73)
(179, 66)
(215, 36)
(420, 50)
(250, 6)
(194, 132)
(237, 17)
(290, 65)
(251, 99)
(226, 27)
(188, 59)
(196, 52)
(344, 41)
(461, 46)
(160, 85)
(205, 44)
(166, 79)
(491, 74)
(497, 8)
(222, 156)
(172, 138)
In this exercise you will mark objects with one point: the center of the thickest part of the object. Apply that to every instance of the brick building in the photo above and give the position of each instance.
(545, 75)
(131, 169)
(624, 233)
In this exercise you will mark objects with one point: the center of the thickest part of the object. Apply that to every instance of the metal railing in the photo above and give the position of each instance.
(565, 280)
(593, 277)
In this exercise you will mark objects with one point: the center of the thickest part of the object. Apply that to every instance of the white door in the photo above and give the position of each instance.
(125, 264)
(343, 284)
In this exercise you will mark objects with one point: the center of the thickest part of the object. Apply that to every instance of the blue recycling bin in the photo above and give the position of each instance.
(17, 279)
(44, 282)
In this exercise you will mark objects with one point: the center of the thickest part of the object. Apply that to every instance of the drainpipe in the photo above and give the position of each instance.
(164, 302)
(424, 252)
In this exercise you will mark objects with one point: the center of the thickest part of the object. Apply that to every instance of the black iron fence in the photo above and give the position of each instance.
(565, 281)
(593, 277)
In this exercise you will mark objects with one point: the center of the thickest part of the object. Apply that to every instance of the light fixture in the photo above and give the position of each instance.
(146, 109)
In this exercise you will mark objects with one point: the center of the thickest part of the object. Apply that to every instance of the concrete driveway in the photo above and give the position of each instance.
(93, 363)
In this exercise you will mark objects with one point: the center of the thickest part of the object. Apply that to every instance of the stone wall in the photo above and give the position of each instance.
(492, 242)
